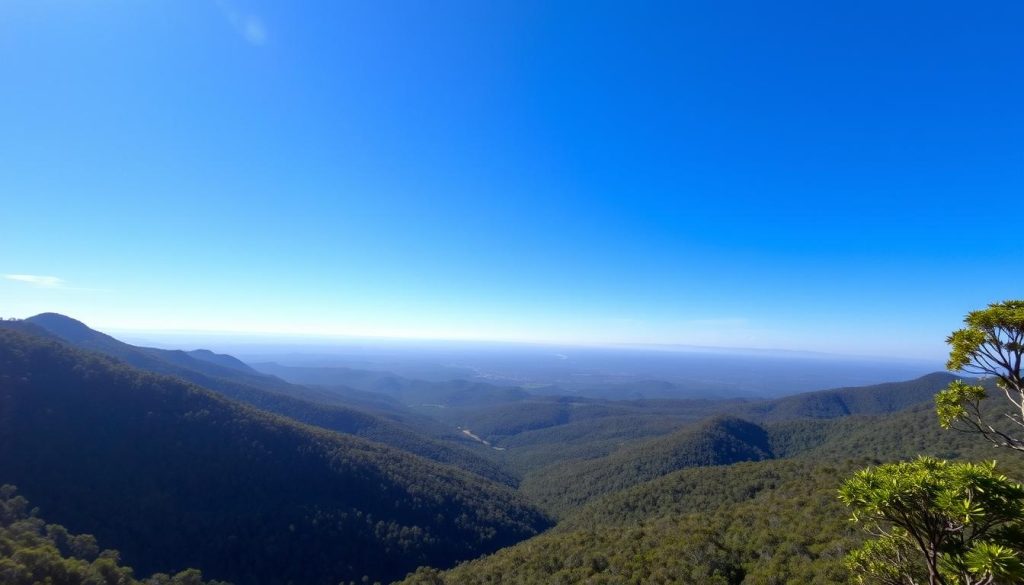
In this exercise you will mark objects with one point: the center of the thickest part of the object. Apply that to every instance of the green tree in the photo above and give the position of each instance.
(990, 345)
(937, 522)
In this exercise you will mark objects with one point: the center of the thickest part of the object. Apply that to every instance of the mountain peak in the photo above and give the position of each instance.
(71, 329)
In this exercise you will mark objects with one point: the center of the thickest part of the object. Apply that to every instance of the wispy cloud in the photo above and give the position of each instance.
(37, 280)
(248, 25)
(49, 282)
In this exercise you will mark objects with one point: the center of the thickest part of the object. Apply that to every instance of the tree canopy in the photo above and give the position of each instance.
(940, 522)
(937, 522)
(34, 552)
(992, 345)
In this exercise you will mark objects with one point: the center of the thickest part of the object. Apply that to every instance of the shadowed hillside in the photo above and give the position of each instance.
(233, 379)
(33, 551)
(176, 476)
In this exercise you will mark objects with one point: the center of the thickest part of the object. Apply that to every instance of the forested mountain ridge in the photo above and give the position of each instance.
(840, 402)
(162, 361)
(719, 441)
(406, 390)
(554, 432)
(232, 378)
(176, 476)
(752, 523)
(221, 359)
(759, 522)
(807, 422)
(623, 476)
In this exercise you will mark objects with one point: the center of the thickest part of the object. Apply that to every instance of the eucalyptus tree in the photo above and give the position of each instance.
(937, 522)
(991, 345)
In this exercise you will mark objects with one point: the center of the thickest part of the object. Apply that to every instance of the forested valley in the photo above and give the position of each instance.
(126, 464)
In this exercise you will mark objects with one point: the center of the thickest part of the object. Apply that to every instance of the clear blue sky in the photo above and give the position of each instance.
(844, 177)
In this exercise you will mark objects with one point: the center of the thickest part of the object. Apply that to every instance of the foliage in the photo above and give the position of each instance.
(932, 519)
(177, 476)
(775, 521)
(719, 441)
(316, 407)
(32, 551)
(597, 428)
(842, 402)
(594, 437)
(896, 436)
(990, 344)
(174, 475)
(763, 523)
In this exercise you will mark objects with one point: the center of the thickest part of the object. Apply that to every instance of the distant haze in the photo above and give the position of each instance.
(571, 369)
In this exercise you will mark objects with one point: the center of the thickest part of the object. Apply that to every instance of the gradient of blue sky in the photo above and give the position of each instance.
(843, 177)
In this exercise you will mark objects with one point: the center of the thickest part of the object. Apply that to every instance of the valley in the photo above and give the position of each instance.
(511, 293)
(267, 474)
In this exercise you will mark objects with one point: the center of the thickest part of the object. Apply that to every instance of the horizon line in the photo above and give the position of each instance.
(324, 338)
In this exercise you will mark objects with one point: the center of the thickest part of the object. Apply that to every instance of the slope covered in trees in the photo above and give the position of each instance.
(758, 522)
(648, 491)
(235, 380)
(719, 441)
(32, 552)
(176, 476)
(542, 431)
(767, 522)
(813, 421)
(406, 390)
(840, 402)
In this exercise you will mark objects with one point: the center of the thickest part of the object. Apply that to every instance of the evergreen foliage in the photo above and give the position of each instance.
(174, 475)
(770, 522)
(648, 491)
(841, 402)
(33, 552)
(326, 409)
(720, 441)
(991, 344)
(937, 522)
(765, 522)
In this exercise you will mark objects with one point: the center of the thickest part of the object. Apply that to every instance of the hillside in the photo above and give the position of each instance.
(772, 521)
(793, 424)
(176, 476)
(34, 551)
(230, 377)
(220, 359)
(839, 402)
(408, 391)
(769, 522)
(719, 441)
(623, 476)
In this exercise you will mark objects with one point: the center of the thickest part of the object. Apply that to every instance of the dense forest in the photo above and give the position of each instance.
(175, 476)
(784, 519)
(719, 441)
(193, 460)
(33, 551)
(767, 522)
(330, 410)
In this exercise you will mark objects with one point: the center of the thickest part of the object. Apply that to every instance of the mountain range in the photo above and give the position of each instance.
(269, 474)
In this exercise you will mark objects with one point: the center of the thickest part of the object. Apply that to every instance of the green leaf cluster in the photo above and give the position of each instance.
(953, 402)
(950, 521)
(990, 344)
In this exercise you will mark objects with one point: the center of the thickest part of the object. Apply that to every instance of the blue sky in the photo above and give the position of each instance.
(842, 177)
